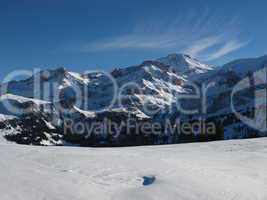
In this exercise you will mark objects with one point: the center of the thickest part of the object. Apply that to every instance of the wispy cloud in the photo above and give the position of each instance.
(227, 48)
(131, 41)
(198, 47)
(215, 47)
(200, 35)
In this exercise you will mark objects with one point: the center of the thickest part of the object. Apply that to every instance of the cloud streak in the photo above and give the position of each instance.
(227, 48)
(131, 42)
(202, 45)
(220, 47)
(198, 35)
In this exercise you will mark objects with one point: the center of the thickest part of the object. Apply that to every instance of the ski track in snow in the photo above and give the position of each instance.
(234, 170)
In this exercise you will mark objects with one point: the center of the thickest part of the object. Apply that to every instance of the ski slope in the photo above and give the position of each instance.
(201, 171)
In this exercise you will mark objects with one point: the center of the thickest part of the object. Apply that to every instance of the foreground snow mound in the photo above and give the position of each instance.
(200, 171)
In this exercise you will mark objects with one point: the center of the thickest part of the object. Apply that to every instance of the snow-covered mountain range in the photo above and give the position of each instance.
(31, 109)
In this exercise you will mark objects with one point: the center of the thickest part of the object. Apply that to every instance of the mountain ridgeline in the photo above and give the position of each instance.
(174, 99)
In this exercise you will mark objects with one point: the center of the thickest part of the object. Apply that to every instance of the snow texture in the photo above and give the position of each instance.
(234, 170)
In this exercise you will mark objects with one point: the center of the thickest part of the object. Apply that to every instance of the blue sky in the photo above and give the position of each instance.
(82, 35)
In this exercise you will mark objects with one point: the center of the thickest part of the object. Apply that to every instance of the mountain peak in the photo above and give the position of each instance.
(60, 70)
(177, 56)
(184, 64)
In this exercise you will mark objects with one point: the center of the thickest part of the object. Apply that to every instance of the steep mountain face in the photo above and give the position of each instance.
(143, 93)
(152, 83)
(148, 87)
(37, 85)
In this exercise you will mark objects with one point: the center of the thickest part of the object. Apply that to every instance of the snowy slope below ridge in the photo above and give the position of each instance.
(6, 117)
(223, 80)
(33, 105)
(21, 99)
(200, 171)
(11, 104)
(243, 66)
